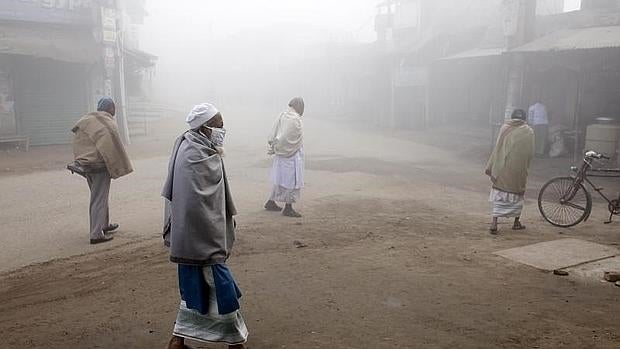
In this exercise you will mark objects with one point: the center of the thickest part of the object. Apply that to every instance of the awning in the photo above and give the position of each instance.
(476, 53)
(574, 39)
(76, 46)
(141, 58)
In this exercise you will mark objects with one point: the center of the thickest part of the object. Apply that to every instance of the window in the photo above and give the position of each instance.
(572, 5)
(549, 7)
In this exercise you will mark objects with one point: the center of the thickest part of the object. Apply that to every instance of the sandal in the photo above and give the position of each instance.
(518, 227)
(493, 231)
(291, 213)
(272, 206)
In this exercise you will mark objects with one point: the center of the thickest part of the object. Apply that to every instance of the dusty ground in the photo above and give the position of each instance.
(397, 252)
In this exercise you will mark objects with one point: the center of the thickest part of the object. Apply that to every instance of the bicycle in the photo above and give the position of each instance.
(565, 201)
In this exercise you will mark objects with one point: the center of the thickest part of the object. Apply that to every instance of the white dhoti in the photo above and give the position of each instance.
(212, 327)
(287, 175)
(506, 204)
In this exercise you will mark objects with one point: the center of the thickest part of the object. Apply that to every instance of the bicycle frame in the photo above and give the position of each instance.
(580, 178)
(567, 201)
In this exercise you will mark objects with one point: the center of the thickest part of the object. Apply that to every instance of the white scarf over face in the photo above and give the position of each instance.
(286, 138)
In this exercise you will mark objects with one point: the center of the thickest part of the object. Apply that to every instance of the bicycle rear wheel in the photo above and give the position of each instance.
(564, 203)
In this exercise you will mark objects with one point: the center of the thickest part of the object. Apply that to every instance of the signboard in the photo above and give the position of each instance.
(108, 25)
(109, 62)
(109, 36)
(107, 87)
(510, 9)
(108, 18)
(108, 52)
(109, 59)
(77, 12)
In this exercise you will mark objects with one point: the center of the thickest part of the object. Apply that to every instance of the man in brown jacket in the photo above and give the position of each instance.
(99, 157)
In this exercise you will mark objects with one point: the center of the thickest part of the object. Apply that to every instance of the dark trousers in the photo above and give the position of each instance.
(541, 133)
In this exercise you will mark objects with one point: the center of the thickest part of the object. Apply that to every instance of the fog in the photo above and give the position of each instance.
(254, 54)
(388, 216)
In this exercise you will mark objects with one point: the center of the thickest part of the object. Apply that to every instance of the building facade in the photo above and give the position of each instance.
(572, 65)
(57, 58)
(478, 60)
(418, 35)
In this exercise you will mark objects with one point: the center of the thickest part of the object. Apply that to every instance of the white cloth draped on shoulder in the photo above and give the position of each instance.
(287, 136)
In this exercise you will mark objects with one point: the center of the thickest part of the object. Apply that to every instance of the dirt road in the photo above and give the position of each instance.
(396, 255)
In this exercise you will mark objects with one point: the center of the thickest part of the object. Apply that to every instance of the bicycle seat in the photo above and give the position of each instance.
(594, 155)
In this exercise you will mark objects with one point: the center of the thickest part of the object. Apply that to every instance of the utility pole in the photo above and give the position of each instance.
(519, 28)
(120, 91)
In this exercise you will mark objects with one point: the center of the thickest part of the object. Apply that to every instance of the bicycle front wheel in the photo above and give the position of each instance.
(564, 203)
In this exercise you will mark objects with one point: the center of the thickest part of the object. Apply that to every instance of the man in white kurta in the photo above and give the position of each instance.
(287, 173)
(538, 119)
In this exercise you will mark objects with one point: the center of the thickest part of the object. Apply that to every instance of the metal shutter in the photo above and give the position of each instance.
(50, 96)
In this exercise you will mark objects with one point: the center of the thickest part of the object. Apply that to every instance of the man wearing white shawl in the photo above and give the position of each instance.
(287, 173)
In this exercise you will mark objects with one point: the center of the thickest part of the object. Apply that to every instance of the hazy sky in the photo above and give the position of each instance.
(219, 19)
(199, 40)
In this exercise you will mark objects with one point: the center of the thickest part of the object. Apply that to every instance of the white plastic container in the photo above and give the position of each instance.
(603, 138)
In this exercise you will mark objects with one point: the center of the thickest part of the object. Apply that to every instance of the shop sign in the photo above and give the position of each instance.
(48, 11)
(510, 9)
(108, 25)
(107, 87)
(109, 36)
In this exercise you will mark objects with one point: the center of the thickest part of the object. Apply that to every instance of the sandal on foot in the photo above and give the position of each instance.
(101, 240)
(493, 231)
(518, 227)
(272, 206)
(291, 213)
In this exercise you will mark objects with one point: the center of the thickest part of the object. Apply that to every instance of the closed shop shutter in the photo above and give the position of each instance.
(7, 117)
(50, 96)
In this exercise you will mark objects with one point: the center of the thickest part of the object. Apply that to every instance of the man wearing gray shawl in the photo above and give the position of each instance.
(287, 173)
(200, 230)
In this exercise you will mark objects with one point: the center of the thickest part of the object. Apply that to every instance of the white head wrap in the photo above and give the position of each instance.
(201, 114)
